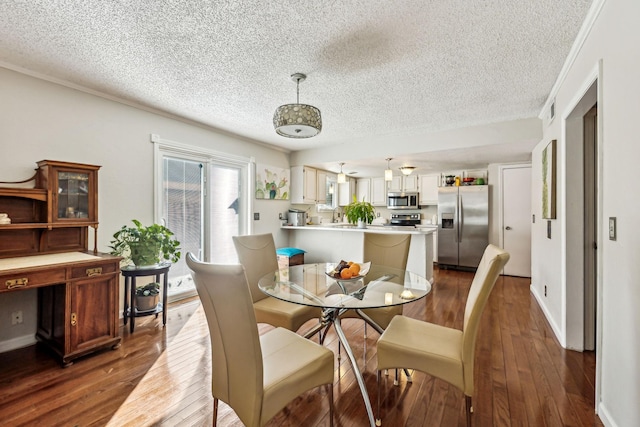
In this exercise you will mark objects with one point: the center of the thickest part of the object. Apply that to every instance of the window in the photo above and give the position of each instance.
(202, 198)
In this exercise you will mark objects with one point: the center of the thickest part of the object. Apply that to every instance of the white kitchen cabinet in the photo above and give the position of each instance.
(404, 183)
(321, 187)
(304, 186)
(378, 191)
(410, 183)
(364, 189)
(429, 189)
(346, 191)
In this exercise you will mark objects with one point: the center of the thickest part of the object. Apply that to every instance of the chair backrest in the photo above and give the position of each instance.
(492, 262)
(257, 254)
(236, 356)
(387, 249)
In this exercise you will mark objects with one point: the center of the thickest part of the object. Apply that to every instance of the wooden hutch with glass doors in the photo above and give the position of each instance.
(44, 235)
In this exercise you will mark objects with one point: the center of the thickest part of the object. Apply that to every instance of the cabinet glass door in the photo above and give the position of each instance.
(73, 195)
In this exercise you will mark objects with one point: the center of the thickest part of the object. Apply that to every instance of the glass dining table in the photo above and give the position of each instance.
(314, 285)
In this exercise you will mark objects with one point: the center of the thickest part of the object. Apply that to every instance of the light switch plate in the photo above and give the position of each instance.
(612, 228)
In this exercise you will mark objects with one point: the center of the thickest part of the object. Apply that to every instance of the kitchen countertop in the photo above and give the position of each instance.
(369, 229)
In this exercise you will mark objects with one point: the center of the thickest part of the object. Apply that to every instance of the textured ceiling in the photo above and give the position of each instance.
(374, 67)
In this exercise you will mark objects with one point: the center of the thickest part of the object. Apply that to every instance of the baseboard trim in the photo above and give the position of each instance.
(18, 342)
(547, 315)
(605, 416)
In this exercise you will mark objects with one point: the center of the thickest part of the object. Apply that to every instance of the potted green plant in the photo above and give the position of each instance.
(147, 296)
(145, 245)
(360, 213)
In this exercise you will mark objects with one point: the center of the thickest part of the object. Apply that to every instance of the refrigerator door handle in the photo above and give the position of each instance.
(456, 217)
(460, 219)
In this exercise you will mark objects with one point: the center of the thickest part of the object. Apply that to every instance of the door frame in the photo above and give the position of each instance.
(572, 305)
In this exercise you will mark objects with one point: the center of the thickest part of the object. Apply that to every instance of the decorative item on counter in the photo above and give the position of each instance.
(4, 218)
(457, 181)
(361, 213)
(479, 181)
(449, 180)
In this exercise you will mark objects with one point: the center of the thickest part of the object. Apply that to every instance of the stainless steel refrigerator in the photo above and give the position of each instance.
(463, 225)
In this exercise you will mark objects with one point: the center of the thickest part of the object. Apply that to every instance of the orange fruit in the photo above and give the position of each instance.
(346, 273)
(350, 263)
(355, 269)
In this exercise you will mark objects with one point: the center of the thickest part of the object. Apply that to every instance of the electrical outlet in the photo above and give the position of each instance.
(256, 216)
(16, 317)
(280, 215)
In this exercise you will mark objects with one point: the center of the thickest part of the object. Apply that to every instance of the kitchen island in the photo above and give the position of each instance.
(335, 242)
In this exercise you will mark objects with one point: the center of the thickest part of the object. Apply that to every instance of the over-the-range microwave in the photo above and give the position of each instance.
(403, 200)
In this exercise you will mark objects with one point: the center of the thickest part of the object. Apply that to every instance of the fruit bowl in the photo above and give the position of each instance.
(334, 273)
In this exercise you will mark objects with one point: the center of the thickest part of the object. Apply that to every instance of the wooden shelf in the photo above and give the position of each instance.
(39, 194)
(47, 225)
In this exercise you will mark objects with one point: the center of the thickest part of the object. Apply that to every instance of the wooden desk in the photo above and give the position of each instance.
(77, 299)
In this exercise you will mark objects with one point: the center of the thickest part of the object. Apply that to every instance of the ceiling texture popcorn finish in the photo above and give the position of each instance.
(374, 67)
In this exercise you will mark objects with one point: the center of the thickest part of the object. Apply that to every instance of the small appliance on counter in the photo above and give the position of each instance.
(297, 217)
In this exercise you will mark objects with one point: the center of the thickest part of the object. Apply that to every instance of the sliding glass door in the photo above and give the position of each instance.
(202, 199)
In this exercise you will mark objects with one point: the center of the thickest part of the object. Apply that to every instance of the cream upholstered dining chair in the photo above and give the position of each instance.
(255, 375)
(384, 249)
(443, 352)
(257, 253)
(391, 250)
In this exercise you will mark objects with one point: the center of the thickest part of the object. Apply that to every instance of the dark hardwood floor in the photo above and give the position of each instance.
(161, 376)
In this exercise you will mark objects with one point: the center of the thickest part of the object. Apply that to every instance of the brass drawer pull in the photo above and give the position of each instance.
(74, 319)
(94, 271)
(17, 283)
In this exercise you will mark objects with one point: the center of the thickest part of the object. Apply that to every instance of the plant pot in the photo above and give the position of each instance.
(362, 223)
(146, 303)
(145, 253)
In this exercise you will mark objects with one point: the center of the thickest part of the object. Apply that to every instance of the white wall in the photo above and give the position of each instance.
(42, 120)
(610, 54)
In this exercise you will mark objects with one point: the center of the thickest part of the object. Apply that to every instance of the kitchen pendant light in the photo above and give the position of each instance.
(406, 170)
(297, 120)
(388, 173)
(342, 178)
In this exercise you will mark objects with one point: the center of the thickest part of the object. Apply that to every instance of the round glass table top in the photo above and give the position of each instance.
(309, 284)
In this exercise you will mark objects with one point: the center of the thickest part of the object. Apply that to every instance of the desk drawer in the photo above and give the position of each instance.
(17, 281)
(90, 270)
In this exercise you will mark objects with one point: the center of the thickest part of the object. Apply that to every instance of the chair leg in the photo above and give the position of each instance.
(408, 374)
(396, 380)
(469, 409)
(330, 404)
(365, 330)
(379, 381)
(339, 347)
(215, 412)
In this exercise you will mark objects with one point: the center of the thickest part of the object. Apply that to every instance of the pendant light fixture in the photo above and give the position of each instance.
(342, 178)
(406, 170)
(297, 120)
(388, 173)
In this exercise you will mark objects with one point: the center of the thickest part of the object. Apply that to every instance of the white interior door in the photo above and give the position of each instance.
(516, 219)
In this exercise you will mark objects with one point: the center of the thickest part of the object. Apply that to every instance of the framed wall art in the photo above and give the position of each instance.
(549, 181)
(272, 183)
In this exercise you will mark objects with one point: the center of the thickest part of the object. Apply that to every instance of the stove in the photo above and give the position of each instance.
(406, 220)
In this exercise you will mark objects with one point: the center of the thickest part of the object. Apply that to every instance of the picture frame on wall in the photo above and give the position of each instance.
(272, 183)
(549, 181)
